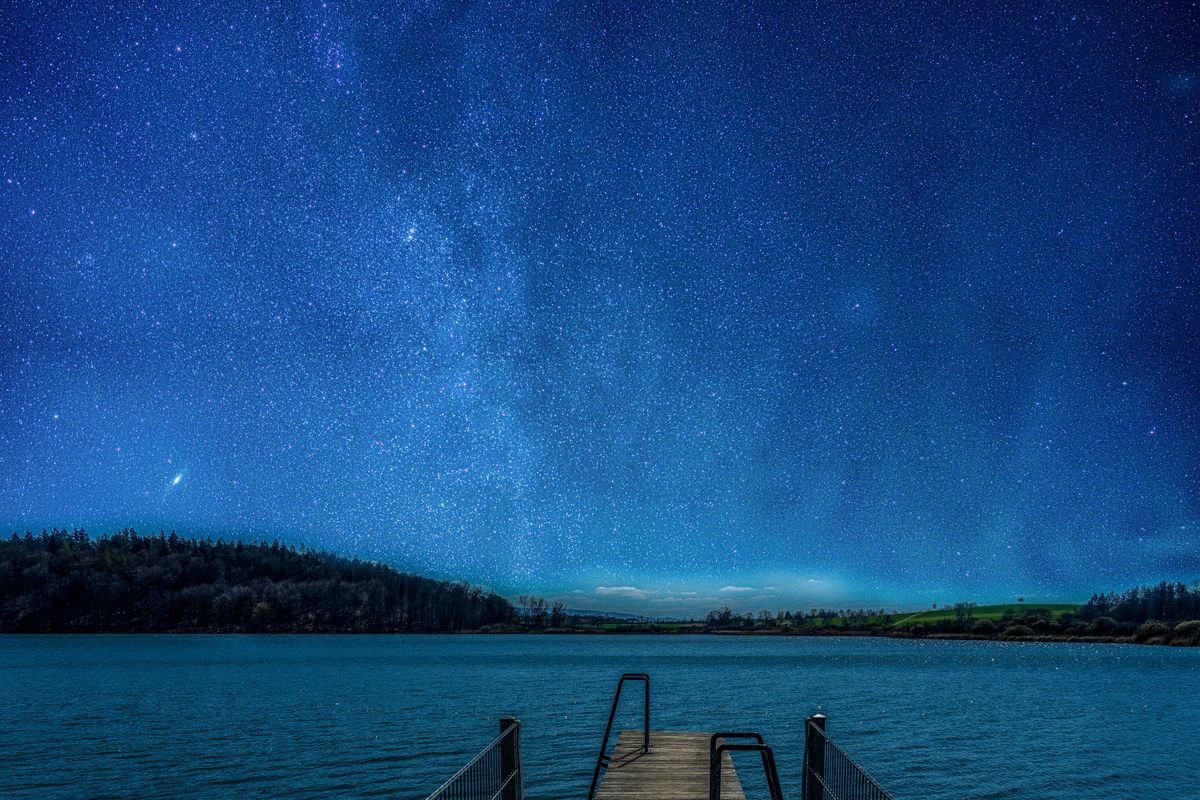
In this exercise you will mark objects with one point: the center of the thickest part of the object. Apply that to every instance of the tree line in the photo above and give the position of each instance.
(1166, 602)
(65, 581)
(850, 618)
(1167, 613)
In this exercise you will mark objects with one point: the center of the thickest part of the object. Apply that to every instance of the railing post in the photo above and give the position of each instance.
(646, 720)
(510, 759)
(814, 757)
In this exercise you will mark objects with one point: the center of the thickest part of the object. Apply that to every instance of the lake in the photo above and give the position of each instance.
(393, 716)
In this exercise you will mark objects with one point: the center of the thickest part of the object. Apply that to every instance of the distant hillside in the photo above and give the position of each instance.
(67, 582)
(589, 614)
(995, 613)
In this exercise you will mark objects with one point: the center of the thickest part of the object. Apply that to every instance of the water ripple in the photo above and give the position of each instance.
(316, 718)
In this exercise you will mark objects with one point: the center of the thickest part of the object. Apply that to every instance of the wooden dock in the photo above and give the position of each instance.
(667, 765)
(676, 768)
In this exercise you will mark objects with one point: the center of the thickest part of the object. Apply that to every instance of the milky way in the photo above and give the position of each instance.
(650, 306)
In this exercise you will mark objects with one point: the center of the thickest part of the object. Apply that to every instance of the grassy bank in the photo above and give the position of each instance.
(996, 613)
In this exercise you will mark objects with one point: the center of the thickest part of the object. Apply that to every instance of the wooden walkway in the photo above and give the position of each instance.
(675, 769)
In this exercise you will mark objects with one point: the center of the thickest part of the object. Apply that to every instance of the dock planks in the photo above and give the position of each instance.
(675, 769)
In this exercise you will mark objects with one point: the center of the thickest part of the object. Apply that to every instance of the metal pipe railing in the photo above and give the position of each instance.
(716, 761)
(603, 759)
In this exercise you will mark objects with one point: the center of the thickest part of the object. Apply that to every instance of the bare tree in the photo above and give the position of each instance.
(537, 607)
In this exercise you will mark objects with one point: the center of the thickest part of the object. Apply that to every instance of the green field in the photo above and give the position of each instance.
(987, 612)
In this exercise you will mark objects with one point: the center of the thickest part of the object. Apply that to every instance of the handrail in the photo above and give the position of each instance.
(716, 762)
(831, 774)
(493, 774)
(602, 760)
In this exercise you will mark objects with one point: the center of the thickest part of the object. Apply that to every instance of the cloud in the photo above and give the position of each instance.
(631, 592)
(667, 600)
(732, 589)
(687, 594)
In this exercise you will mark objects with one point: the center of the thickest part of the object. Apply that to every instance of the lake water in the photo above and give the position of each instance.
(393, 716)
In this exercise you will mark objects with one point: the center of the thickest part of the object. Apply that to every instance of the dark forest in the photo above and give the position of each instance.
(65, 581)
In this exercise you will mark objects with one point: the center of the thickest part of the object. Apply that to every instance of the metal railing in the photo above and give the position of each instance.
(494, 774)
(604, 759)
(716, 761)
(830, 774)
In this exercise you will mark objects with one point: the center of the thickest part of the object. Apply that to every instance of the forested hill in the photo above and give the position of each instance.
(67, 582)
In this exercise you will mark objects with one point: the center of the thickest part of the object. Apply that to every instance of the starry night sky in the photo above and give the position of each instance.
(647, 306)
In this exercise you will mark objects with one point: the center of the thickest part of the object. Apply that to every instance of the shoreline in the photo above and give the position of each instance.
(1158, 642)
(1128, 640)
